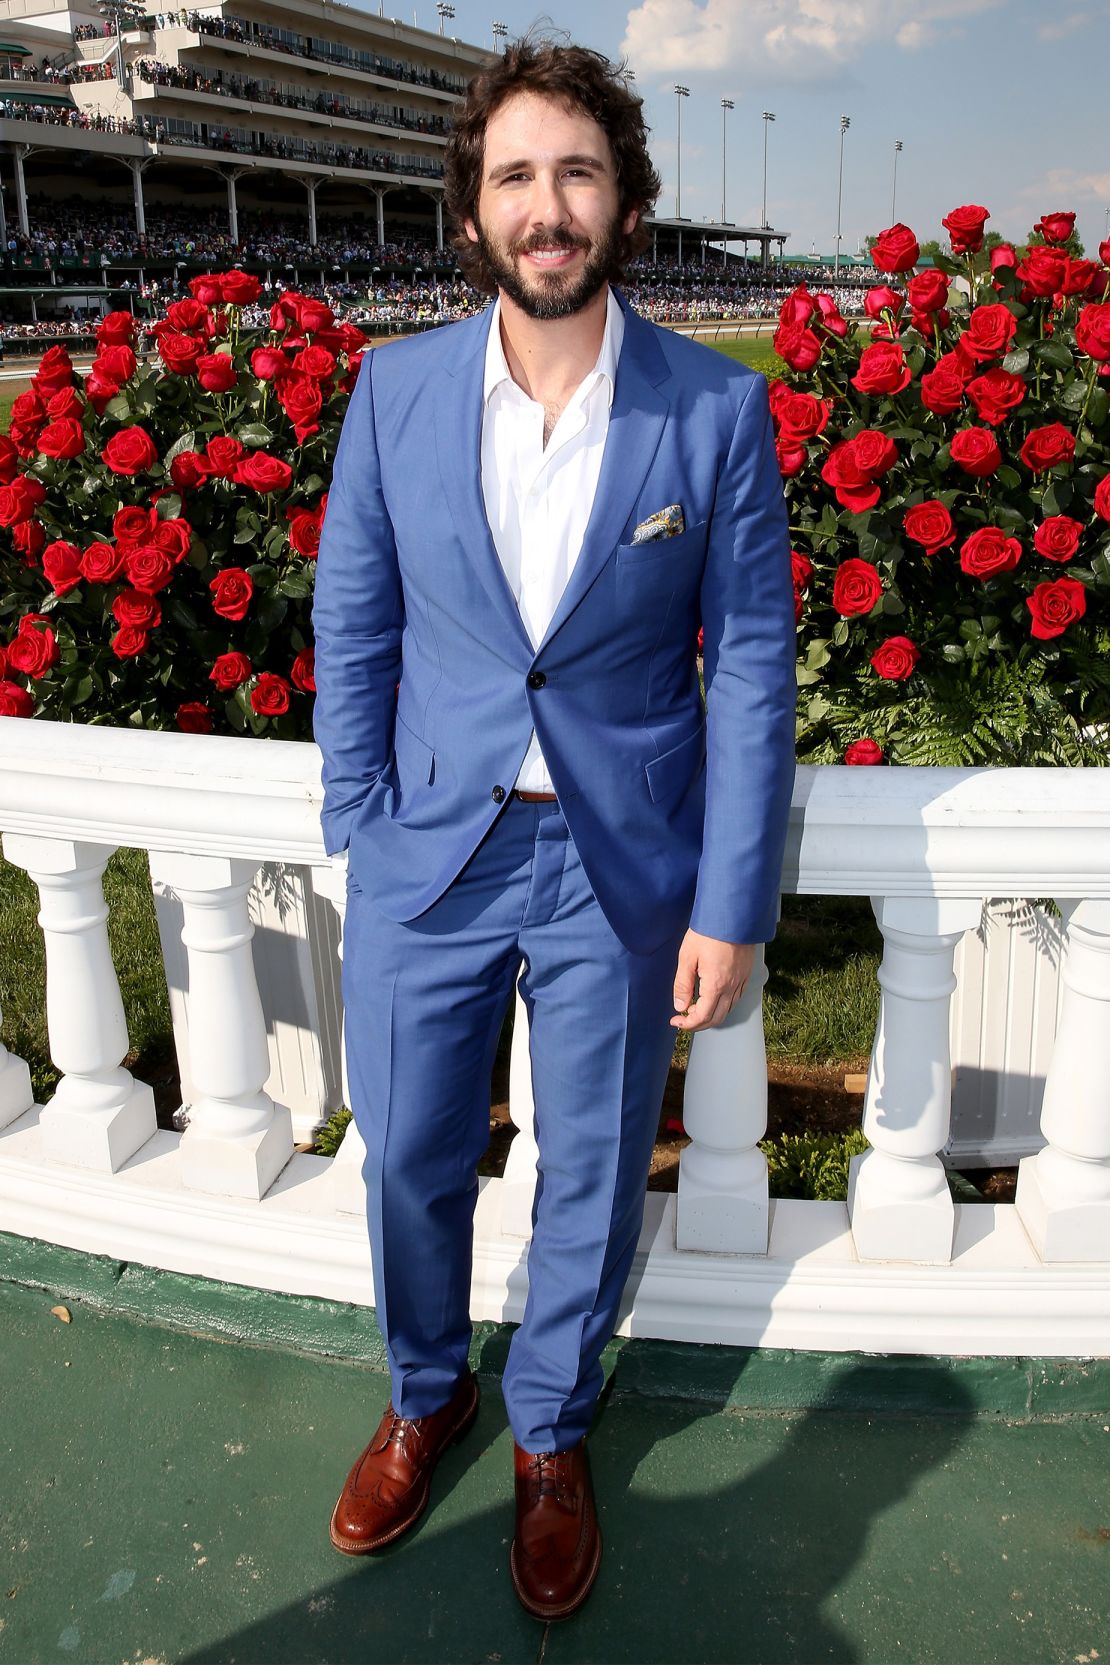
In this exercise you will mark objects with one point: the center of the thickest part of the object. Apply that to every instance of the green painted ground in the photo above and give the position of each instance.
(164, 1498)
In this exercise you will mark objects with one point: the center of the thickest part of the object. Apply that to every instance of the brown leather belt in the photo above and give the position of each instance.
(535, 797)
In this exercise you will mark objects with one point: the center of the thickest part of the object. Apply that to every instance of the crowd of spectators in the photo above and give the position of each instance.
(155, 73)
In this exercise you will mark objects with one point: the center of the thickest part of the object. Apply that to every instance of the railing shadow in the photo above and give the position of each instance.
(744, 1569)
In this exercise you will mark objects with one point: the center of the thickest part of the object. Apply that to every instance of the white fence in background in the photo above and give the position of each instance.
(900, 1267)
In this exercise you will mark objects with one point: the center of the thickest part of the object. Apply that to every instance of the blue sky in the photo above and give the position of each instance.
(1001, 102)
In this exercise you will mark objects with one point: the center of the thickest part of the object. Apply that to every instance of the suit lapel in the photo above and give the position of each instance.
(458, 438)
(636, 424)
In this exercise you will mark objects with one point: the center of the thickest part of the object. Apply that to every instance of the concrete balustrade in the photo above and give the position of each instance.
(899, 1267)
(99, 1115)
(348, 1187)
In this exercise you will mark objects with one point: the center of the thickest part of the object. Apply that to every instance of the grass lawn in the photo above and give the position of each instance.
(757, 354)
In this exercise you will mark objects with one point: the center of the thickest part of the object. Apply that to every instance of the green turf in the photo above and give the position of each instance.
(756, 353)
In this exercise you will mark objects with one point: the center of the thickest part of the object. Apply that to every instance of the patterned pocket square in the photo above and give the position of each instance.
(665, 523)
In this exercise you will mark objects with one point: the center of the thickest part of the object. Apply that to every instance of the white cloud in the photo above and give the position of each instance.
(1062, 26)
(800, 38)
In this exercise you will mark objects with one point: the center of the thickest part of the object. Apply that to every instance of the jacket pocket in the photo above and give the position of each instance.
(416, 761)
(674, 770)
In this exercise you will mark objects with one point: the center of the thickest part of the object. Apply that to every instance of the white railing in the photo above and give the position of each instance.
(899, 1268)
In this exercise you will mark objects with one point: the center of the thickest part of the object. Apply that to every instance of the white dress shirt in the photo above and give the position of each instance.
(538, 498)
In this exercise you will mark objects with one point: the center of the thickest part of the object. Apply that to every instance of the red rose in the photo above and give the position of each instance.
(854, 490)
(17, 501)
(136, 610)
(928, 291)
(352, 338)
(799, 416)
(216, 372)
(1043, 270)
(116, 364)
(1092, 334)
(1048, 447)
(99, 389)
(62, 439)
(873, 453)
(133, 524)
(263, 473)
(28, 538)
(882, 369)
(988, 552)
(231, 592)
(801, 569)
(829, 319)
(1057, 537)
(188, 315)
(1056, 228)
(179, 353)
(304, 532)
(116, 328)
(303, 673)
(149, 568)
(207, 290)
(313, 315)
(930, 525)
(883, 299)
(942, 388)
(229, 670)
(187, 470)
(798, 307)
(856, 587)
(270, 695)
(995, 394)
(1003, 254)
(222, 453)
(55, 371)
(864, 752)
(194, 717)
(965, 227)
(9, 461)
(1102, 497)
(174, 536)
(797, 346)
(15, 701)
(131, 451)
(28, 411)
(1056, 605)
(315, 361)
(302, 400)
(975, 450)
(238, 288)
(990, 329)
(268, 363)
(791, 459)
(66, 402)
(101, 563)
(61, 564)
(895, 658)
(895, 249)
(35, 650)
(128, 642)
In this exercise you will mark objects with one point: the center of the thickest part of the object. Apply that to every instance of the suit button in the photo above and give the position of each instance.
(498, 794)
(536, 679)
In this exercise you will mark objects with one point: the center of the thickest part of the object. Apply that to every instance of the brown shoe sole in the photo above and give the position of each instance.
(346, 1547)
(561, 1610)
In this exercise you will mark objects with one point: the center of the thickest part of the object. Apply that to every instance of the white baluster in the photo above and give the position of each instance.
(722, 1177)
(238, 1140)
(16, 1095)
(348, 1185)
(1063, 1192)
(99, 1115)
(898, 1196)
(518, 1186)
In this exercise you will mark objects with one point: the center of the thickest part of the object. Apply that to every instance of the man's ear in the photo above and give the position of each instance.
(630, 221)
(471, 230)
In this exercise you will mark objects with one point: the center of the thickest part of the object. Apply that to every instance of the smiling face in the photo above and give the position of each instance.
(548, 219)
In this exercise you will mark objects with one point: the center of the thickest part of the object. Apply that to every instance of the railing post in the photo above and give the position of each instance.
(1063, 1192)
(238, 1140)
(348, 1185)
(16, 1095)
(898, 1197)
(99, 1115)
(722, 1177)
(518, 1185)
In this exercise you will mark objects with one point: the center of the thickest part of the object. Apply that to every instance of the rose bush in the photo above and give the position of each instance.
(159, 521)
(947, 470)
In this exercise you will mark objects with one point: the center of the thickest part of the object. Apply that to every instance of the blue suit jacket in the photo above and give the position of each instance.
(678, 817)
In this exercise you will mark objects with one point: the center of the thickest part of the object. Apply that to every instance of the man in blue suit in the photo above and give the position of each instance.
(532, 513)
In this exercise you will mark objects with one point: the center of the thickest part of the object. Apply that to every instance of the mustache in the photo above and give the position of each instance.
(558, 239)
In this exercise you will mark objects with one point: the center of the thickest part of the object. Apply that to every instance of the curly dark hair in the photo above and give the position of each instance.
(579, 79)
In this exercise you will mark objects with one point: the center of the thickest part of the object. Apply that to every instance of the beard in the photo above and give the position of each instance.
(549, 295)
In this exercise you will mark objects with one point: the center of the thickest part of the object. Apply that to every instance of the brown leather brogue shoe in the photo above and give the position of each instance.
(557, 1548)
(387, 1489)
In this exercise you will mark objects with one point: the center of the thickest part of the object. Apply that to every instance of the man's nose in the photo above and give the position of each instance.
(549, 204)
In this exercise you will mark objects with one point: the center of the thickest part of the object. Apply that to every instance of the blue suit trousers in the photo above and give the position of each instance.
(425, 1000)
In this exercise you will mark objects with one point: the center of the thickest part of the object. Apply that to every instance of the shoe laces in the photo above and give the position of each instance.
(546, 1473)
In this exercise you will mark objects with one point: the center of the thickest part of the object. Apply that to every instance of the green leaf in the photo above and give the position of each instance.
(296, 585)
(169, 506)
(970, 630)
(119, 408)
(1053, 353)
(254, 433)
(1008, 477)
(186, 442)
(892, 604)
(817, 655)
(953, 653)
(805, 678)
(1099, 407)
(1017, 361)
(840, 632)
